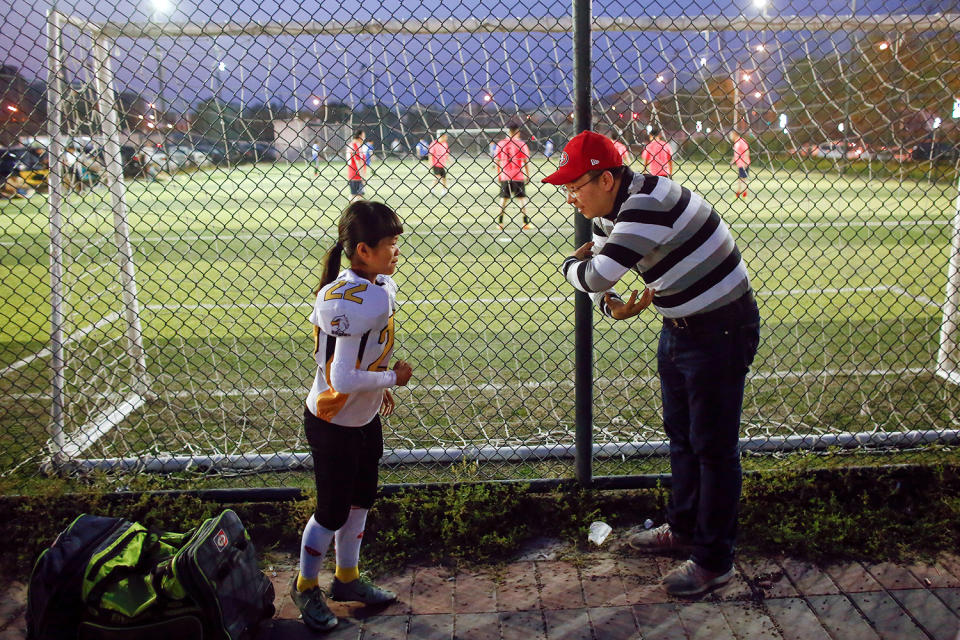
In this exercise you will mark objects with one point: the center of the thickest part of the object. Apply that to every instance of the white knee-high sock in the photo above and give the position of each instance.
(349, 537)
(313, 546)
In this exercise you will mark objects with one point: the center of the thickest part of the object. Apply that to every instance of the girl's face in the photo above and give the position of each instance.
(381, 258)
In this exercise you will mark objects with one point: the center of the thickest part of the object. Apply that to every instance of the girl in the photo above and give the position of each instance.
(353, 340)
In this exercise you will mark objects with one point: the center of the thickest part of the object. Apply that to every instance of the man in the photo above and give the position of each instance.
(697, 280)
(356, 165)
(423, 150)
(439, 156)
(741, 160)
(315, 158)
(548, 148)
(511, 160)
(657, 156)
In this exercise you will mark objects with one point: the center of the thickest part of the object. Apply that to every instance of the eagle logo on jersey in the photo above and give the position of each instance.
(564, 158)
(340, 325)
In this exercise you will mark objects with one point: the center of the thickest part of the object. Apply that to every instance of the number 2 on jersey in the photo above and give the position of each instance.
(334, 292)
(386, 339)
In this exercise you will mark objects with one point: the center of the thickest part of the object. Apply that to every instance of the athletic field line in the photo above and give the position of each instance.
(923, 300)
(530, 299)
(838, 224)
(260, 392)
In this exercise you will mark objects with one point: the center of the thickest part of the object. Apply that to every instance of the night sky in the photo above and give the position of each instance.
(435, 70)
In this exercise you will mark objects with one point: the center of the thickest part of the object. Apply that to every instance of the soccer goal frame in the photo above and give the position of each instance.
(103, 37)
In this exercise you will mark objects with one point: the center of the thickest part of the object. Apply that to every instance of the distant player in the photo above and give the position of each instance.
(493, 149)
(657, 156)
(439, 157)
(620, 147)
(512, 158)
(356, 165)
(548, 148)
(741, 160)
(315, 158)
(423, 150)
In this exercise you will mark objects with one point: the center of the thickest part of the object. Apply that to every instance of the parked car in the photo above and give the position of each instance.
(830, 150)
(213, 151)
(941, 152)
(30, 164)
(181, 157)
(131, 158)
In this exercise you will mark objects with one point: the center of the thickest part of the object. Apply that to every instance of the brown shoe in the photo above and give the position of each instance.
(661, 538)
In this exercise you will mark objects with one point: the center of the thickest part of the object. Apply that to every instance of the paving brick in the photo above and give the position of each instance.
(951, 562)
(704, 621)
(929, 612)
(641, 581)
(795, 619)
(659, 621)
(431, 627)
(602, 584)
(808, 578)
(432, 591)
(517, 590)
(950, 597)
(477, 626)
(385, 628)
(475, 592)
(402, 585)
(736, 589)
(839, 617)
(852, 577)
(767, 576)
(888, 618)
(522, 625)
(13, 602)
(615, 623)
(935, 575)
(893, 576)
(568, 624)
(560, 586)
(749, 621)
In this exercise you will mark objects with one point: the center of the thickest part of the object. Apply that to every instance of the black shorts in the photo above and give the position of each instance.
(424, 158)
(440, 172)
(513, 189)
(356, 187)
(345, 466)
(743, 171)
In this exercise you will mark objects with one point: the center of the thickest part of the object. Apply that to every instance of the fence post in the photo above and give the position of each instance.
(583, 314)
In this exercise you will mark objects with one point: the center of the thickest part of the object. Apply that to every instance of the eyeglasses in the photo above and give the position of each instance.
(575, 191)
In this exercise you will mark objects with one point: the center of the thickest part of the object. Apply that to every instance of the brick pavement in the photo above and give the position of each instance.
(613, 595)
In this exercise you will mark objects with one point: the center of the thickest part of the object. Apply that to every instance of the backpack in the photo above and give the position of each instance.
(112, 579)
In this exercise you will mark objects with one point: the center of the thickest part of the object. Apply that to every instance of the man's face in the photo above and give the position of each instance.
(592, 196)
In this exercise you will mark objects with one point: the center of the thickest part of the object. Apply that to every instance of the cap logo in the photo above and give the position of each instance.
(564, 158)
(593, 162)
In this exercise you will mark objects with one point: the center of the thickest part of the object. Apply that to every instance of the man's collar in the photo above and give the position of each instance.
(626, 178)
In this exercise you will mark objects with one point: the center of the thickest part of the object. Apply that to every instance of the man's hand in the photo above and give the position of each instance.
(584, 252)
(623, 310)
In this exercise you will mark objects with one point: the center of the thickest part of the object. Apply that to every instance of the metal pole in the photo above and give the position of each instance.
(583, 310)
(106, 100)
(54, 121)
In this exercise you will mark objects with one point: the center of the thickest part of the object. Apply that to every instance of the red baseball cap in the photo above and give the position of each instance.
(585, 152)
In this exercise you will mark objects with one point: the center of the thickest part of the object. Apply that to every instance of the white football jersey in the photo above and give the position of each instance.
(353, 340)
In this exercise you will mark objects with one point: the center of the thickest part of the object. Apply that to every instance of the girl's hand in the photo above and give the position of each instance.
(623, 310)
(403, 371)
(386, 409)
(584, 251)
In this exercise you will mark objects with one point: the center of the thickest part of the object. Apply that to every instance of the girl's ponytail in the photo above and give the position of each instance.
(331, 266)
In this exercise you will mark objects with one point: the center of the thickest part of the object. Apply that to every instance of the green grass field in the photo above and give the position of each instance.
(849, 274)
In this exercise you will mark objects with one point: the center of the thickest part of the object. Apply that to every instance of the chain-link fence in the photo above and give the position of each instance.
(173, 175)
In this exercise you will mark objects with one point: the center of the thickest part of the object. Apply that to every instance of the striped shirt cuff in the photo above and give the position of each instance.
(604, 307)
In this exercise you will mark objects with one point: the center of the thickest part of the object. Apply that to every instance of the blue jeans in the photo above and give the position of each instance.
(703, 368)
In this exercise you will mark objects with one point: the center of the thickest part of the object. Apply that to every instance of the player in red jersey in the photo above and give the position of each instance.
(356, 165)
(657, 156)
(439, 157)
(512, 158)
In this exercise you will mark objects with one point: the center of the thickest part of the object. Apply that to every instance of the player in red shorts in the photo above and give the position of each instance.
(512, 160)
